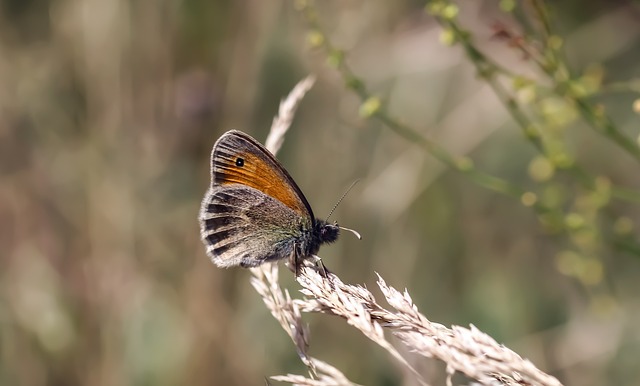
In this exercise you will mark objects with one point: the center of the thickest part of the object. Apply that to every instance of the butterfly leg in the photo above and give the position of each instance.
(295, 262)
(324, 271)
(292, 263)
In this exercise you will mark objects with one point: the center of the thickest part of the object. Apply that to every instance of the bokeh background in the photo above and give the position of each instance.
(109, 109)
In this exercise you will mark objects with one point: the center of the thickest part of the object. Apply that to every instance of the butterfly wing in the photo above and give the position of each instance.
(241, 225)
(237, 158)
(253, 211)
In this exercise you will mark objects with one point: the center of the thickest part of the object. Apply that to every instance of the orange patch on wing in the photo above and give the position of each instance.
(258, 174)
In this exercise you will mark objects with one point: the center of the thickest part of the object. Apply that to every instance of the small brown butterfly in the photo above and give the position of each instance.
(254, 212)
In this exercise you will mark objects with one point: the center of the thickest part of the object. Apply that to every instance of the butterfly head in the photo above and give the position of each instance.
(326, 232)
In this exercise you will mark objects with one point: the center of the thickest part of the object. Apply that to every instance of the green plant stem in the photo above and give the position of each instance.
(483, 179)
(596, 118)
(486, 69)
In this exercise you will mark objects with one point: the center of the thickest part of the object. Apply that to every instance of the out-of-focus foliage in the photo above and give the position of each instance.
(496, 142)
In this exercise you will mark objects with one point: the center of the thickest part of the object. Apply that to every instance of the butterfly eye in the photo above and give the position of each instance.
(239, 162)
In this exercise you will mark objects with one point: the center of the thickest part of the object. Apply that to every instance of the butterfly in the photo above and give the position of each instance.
(254, 212)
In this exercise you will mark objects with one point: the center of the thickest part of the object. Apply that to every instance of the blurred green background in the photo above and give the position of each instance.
(109, 109)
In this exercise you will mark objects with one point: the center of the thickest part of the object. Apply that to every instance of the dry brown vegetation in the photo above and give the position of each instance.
(496, 143)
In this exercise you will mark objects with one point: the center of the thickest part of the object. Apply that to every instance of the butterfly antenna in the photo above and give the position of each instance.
(338, 203)
(342, 198)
